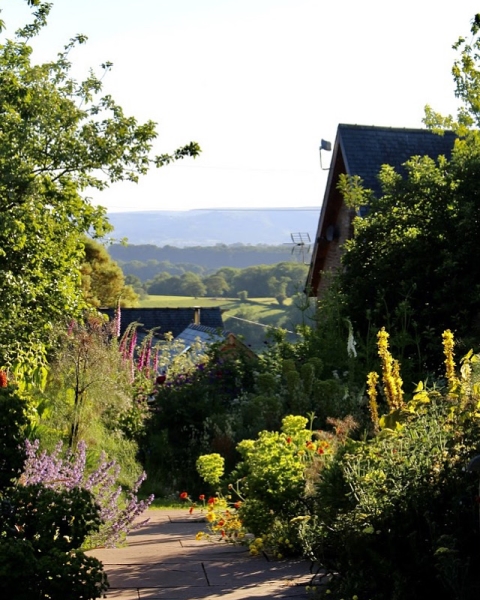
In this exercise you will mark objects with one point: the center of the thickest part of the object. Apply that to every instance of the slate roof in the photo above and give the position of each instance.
(366, 148)
(200, 333)
(362, 150)
(165, 320)
(204, 336)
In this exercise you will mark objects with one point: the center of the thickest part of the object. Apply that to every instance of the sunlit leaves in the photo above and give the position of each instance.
(58, 137)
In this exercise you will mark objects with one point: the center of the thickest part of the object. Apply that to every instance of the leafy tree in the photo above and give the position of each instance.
(192, 285)
(59, 136)
(136, 284)
(216, 285)
(164, 284)
(397, 262)
(409, 266)
(229, 274)
(103, 282)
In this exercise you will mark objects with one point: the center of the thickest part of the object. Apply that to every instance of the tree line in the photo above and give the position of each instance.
(142, 260)
(280, 281)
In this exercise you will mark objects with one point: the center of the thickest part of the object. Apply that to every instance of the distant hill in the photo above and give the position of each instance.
(211, 227)
(146, 260)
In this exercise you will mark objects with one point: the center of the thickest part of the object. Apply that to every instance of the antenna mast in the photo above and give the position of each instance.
(300, 244)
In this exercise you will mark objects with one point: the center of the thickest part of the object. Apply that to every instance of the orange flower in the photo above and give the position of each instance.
(184, 495)
(3, 379)
(221, 523)
(237, 505)
(320, 451)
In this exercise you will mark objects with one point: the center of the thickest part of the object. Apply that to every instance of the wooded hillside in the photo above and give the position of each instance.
(147, 260)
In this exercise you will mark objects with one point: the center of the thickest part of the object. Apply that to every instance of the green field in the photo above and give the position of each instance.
(181, 302)
(266, 310)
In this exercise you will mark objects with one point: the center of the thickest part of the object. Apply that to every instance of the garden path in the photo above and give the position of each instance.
(163, 560)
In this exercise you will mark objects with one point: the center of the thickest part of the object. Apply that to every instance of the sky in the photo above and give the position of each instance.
(257, 83)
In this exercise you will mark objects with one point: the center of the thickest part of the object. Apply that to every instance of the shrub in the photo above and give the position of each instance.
(41, 531)
(13, 420)
(396, 516)
(275, 481)
(117, 510)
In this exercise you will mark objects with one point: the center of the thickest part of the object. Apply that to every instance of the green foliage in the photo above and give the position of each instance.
(13, 423)
(90, 395)
(275, 480)
(192, 285)
(103, 282)
(405, 269)
(396, 516)
(41, 532)
(216, 285)
(210, 467)
(59, 137)
(409, 261)
(466, 75)
(194, 413)
(281, 279)
(146, 260)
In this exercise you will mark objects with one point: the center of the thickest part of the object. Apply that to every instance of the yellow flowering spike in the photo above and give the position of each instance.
(448, 345)
(372, 381)
(398, 384)
(392, 382)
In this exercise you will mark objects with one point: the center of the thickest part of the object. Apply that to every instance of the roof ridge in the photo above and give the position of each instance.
(389, 128)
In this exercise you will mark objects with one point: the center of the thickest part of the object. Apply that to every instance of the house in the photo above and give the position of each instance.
(229, 344)
(188, 326)
(166, 320)
(362, 150)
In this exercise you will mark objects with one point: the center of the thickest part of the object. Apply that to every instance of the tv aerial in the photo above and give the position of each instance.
(300, 244)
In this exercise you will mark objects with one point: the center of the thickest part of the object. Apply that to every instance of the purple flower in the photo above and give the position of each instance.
(69, 471)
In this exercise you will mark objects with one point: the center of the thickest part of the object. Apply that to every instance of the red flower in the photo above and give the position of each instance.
(201, 497)
(3, 379)
(289, 440)
(237, 505)
(211, 501)
(184, 495)
(221, 523)
(191, 510)
(223, 533)
(320, 451)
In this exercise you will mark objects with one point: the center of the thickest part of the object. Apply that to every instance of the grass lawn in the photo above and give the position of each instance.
(265, 311)
(180, 302)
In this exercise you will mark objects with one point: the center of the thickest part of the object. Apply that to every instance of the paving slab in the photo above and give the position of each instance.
(163, 560)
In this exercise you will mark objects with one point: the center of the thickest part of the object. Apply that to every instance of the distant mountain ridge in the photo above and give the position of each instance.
(211, 226)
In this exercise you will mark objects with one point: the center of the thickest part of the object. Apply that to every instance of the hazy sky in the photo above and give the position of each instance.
(257, 83)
